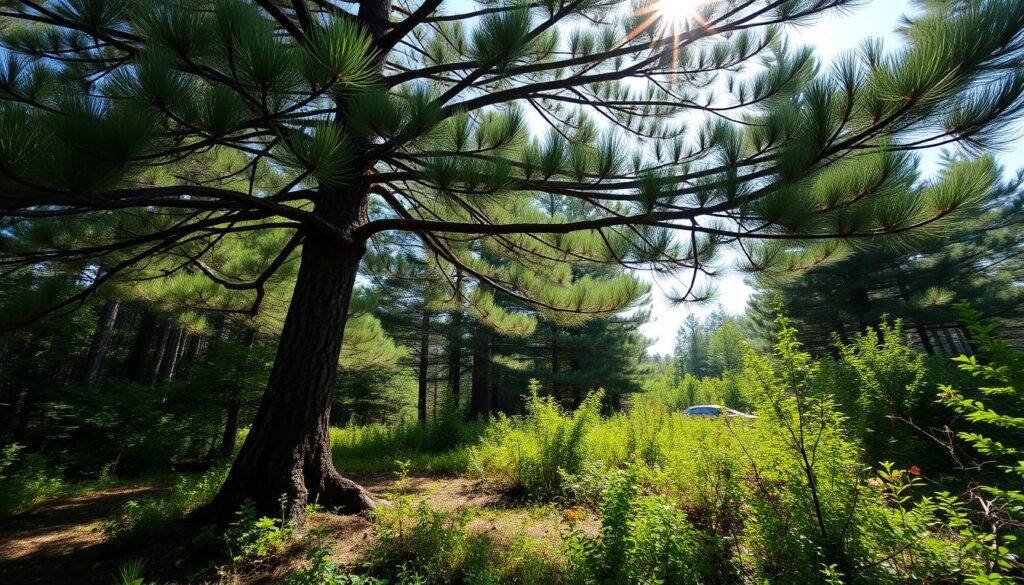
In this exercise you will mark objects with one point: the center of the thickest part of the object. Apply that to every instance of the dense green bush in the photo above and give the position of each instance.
(531, 453)
(996, 414)
(147, 517)
(417, 544)
(438, 448)
(26, 479)
(644, 539)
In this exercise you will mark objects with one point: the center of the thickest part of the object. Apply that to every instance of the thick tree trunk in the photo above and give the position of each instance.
(10, 421)
(143, 342)
(100, 340)
(421, 396)
(287, 452)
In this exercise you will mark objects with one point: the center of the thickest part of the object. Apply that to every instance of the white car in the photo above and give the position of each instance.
(715, 410)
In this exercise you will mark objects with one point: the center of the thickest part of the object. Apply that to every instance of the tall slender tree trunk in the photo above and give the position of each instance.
(100, 340)
(287, 452)
(455, 347)
(141, 345)
(496, 405)
(227, 442)
(159, 353)
(421, 397)
(189, 352)
(480, 383)
(165, 373)
(926, 342)
(555, 386)
(949, 341)
(455, 360)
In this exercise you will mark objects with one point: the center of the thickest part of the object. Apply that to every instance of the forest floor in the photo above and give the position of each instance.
(62, 541)
(56, 537)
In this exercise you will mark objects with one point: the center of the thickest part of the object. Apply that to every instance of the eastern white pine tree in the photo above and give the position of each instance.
(426, 111)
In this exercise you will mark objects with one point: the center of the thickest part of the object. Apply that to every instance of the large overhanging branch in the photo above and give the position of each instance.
(432, 242)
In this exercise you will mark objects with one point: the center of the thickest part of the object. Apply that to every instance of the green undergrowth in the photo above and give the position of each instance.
(149, 516)
(441, 448)
(28, 480)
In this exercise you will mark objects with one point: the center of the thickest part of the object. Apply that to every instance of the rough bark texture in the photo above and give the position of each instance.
(496, 405)
(287, 452)
(100, 340)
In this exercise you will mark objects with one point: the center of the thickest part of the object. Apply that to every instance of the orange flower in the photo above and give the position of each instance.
(914, 470)
(575, 514)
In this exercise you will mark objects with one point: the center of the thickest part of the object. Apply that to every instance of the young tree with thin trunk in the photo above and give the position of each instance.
(425, 112)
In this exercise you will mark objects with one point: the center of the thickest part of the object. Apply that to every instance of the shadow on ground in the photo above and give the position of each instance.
(59, 542)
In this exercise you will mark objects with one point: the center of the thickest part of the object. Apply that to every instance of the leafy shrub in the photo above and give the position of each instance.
(879, 383)
(130, 573)
(644, 539)
(322, 570)
(997, 530)
(437, 448)
(148, 517)
(533, 452)
(410, 532)
(251, 537)
(26, 479)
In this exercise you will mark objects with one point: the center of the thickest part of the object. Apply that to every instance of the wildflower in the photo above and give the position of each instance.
(575, 514)
(914, 470)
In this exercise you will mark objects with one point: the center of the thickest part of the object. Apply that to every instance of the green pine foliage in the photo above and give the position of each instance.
(405, 196)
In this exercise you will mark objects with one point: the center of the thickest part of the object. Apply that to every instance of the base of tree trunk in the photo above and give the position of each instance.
(285, 463)
(286, 494)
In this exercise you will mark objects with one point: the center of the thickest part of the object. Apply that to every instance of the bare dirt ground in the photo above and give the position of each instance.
(61, 541)
(42, 541)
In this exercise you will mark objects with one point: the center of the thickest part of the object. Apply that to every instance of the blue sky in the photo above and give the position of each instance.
(831, 35)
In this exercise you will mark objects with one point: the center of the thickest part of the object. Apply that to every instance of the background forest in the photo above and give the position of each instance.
(331, 292)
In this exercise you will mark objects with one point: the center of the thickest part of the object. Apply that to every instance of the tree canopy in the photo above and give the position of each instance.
(144, 134)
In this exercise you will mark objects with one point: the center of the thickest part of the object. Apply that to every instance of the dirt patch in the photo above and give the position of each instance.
(42, 542)
(64, 525)
(62, 542)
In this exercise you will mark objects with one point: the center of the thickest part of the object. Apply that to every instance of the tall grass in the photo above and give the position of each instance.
(533, 452)
(440, 448)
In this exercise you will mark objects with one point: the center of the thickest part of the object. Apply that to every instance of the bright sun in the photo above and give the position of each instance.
(675, 13)
(668, 17)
